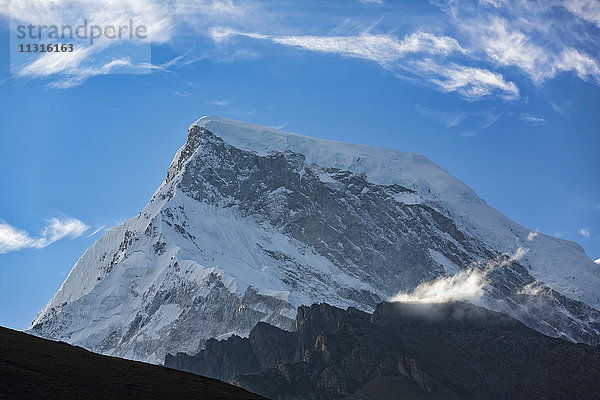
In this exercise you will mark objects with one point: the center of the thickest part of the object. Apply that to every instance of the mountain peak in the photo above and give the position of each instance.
(382, 166)
(252, 222)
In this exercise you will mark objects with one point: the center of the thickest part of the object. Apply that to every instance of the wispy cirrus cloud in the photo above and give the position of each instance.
(587, 10)
(470, 82)
(447, 118)
(467, 123)
(162, 20)
(474, 48)
(382, 48)
(79, 75)
(532, 119)
(98, 229)
(485, 120)
(488, 41)
(220, 103)
(14, 239)
(540, 39)
(510, 47)
(419, 54)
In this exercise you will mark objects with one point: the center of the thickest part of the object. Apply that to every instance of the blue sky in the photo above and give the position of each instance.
(485, 89)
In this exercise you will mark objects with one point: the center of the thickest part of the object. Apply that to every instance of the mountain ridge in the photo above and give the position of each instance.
(237, 235)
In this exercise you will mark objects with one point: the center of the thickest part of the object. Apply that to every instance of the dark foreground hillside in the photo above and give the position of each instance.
(401, 351)
(34, 368)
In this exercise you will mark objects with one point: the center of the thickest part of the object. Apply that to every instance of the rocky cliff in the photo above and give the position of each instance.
(401, 351)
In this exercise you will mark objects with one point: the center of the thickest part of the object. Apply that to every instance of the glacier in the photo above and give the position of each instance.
(252, 222)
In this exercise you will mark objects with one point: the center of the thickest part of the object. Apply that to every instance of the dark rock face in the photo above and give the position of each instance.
(402, 350)
(219, 359)
(271, 345)
(357, 225)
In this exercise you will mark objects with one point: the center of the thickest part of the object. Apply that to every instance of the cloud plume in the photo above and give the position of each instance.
(466, 285)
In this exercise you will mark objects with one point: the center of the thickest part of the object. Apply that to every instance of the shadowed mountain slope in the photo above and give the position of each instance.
(401, 351)
(34, 368)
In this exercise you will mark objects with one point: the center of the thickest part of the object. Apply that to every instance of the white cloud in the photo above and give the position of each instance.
(582, 64)
(513, 48)
(495, 3)
(584, 232)
(102, 227)
(532, 289)
(534, 37)
(155, 15)
(77, 76)
(532, 119)
(74, 68)
(61, 228)
(475, 121)
(497, 38)
(55, 63)
(465, 285)
(404, 56)
(13, 239)
(384, 49)
(448, 119)
(597, 261)
(587, 10)
(221, 103)
(487, 119)
(163, 20)
(470, 82)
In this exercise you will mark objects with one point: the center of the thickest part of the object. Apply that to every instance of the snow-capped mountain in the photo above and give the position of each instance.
(252, 222)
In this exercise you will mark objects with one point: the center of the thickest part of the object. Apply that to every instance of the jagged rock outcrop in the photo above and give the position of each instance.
(403, 350)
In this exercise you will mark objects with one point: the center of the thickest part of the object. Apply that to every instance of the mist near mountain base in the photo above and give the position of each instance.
(466, 285)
